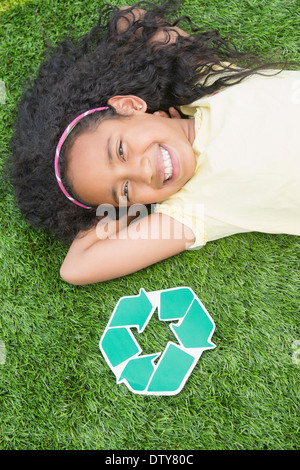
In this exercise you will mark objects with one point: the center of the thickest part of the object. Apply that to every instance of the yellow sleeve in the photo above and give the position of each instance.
(190, 215)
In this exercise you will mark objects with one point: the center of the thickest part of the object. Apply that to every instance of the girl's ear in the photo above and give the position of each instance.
(125, 103)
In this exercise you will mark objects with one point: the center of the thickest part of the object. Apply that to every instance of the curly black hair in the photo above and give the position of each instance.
(77, 75)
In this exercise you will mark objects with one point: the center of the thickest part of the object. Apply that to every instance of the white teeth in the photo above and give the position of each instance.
(167, 164)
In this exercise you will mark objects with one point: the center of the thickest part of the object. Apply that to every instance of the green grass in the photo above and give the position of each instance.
(56, 391)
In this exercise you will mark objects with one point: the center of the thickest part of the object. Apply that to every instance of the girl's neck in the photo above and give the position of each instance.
(189, 125)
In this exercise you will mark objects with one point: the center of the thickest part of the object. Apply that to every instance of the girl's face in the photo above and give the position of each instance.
(140, 159)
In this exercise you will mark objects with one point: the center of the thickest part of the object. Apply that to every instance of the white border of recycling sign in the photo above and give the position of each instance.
(191, 325)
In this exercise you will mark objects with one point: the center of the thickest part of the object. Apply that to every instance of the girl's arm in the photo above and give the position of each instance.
(144, 242)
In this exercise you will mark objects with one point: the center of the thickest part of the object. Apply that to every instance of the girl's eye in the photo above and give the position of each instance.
(121, 153)
(125, 191)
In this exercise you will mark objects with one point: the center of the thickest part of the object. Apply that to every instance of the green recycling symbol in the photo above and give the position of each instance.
(193, 329)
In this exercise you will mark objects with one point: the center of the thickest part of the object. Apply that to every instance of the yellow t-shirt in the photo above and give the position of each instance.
(247, 148)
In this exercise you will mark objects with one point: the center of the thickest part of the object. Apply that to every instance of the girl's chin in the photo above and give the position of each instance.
(169, 190)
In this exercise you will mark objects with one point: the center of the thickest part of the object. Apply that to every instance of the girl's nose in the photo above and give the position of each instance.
(141, 170)
(146, 169)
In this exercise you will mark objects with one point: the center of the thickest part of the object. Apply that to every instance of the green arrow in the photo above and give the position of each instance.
(118, 345)
(138, 371)
(174, 303)
(132, 311)
(195, 328)
(171, 370)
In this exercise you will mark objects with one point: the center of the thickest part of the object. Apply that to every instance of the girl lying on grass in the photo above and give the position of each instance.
(139, 141)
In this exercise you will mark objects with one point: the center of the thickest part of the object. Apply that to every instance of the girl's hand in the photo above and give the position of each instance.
(173, 113)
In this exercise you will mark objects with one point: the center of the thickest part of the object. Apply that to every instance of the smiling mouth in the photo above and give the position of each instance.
(167, 162)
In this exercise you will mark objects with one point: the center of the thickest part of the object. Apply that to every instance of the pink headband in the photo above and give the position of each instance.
(58, 149)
